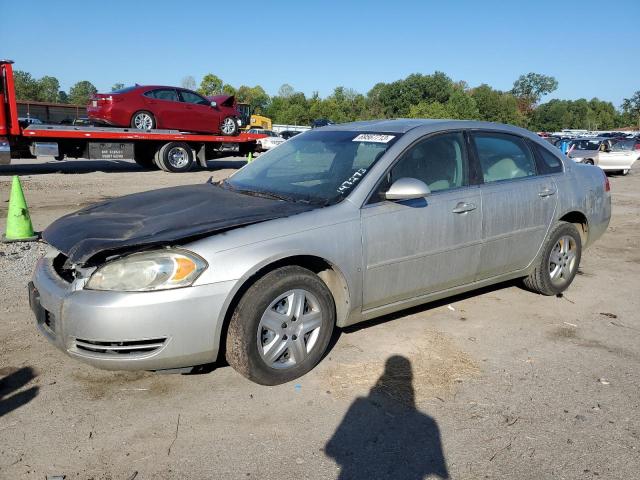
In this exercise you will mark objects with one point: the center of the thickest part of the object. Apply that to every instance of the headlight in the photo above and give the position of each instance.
(156, 270)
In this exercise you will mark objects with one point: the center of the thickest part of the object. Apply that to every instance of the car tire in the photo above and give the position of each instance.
(589, 162)
(229, 126)
(143, 120)
(558, 262)
(175, 157)
(266, 315)
(625, 171)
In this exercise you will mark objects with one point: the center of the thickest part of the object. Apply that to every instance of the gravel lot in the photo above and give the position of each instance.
(500, 383)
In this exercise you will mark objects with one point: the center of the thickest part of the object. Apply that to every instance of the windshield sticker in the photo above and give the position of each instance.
(373, 137)
(353, 179)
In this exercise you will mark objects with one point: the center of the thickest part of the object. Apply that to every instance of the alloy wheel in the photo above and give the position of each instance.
(562, 260)
(143, 121)
(228, 126)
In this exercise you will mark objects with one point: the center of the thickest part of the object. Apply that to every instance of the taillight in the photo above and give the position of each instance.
(607, 185)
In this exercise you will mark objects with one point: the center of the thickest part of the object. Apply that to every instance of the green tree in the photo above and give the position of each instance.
(459, 106)
(395, 99)
(117, 86)
(63, 97)
(210, 85)
(81, 92)
(229, 89)
(48, 88)
(530, 88)
(254, 96)
(27, 87)
(631, 109)
(496, 106)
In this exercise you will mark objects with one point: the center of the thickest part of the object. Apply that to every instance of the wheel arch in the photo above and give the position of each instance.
(330, 274)
(581, 222)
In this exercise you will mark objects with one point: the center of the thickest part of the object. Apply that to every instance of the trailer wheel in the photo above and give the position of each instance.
(175, 157)
(143, 120)
(229, 126)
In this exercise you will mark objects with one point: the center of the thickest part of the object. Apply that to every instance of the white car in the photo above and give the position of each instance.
(607, 154)
(272, 139)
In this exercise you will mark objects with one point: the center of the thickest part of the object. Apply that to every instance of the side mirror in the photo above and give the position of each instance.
(407, 188)
(214, 104)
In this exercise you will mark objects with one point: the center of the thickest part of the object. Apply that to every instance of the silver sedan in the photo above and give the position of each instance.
(336, 226)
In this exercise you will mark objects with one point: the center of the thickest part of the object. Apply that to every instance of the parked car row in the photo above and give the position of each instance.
(607, 153)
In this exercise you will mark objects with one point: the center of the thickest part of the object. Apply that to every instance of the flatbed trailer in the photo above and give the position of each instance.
(170, 150)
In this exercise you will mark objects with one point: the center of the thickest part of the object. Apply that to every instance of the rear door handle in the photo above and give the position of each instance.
(547, 192)
(464, 207)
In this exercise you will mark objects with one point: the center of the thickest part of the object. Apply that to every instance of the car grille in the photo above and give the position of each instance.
(125, 347)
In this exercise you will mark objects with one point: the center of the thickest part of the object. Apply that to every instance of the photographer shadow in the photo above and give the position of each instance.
(384, 436)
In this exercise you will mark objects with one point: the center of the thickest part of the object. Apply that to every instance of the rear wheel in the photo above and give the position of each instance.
(143, 120)
(229, 126)
(174, 157)
(589, 161)
(281, 326)
(558, 263)
(625, 171)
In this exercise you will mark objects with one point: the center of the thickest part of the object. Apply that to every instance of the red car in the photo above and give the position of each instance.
(148, 107)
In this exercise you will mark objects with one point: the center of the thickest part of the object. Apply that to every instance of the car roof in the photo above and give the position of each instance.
(403, 125)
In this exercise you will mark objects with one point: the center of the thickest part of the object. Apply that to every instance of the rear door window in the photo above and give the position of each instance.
(168, 94)
(547, 162)
(503, 156)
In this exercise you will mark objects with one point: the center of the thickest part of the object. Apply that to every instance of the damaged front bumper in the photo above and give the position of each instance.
(129, 330)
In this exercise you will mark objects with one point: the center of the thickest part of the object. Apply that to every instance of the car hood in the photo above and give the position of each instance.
(160, 217)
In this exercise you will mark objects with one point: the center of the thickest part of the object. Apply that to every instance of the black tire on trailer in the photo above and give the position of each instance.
(143, 120)
(175, 157)
(229, 126)
(281, 327)
(558, 263)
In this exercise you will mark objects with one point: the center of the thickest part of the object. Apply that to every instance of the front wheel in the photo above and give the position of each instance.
(625, 171)
(229, 126)
(559, 261)
(281, 326)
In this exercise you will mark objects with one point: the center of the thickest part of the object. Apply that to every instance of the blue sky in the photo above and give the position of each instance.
(592, 50)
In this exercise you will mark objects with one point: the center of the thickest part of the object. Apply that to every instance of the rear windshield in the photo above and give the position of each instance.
(125, 89)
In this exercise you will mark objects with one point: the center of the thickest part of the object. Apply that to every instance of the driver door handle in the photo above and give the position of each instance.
(547, 191)
(464, 207)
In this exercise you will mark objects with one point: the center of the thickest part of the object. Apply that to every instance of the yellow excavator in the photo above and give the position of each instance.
(252, 120)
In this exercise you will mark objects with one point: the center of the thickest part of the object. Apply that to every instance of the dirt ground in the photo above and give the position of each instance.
(500, 383)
